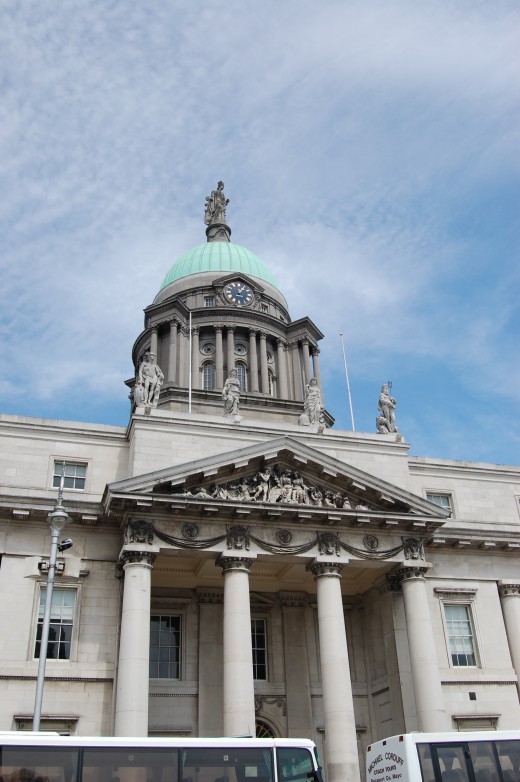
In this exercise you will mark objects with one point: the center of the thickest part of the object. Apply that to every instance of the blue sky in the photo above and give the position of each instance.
(369, 149)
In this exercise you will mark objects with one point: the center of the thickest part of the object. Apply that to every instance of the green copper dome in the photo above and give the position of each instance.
(219, 257)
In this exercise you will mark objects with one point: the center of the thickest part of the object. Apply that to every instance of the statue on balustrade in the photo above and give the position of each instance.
(149, 381)
(385, 421)
(312, 404)
(231, 394)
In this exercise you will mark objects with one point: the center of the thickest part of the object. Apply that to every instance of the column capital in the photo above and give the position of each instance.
(409, 572)
(305, 340)
(195, 330)
(292, 345)
(136, 557)
(263, 334)
(154, 329)
(508, 588)
(253, 332)
(320, 569)
(234, 563)
(231, 328)
(185, 331)
(174, 322)
(315, 351)
(280, 343)
(218, 328)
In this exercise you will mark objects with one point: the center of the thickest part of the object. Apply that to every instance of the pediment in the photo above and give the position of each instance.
(281, 477)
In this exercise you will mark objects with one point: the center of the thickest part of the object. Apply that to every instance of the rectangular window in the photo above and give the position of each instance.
(209, 301)
(74, 475)
(460, 635)
(165, 647)
(259, 644)
(61, 623)
(444, 500)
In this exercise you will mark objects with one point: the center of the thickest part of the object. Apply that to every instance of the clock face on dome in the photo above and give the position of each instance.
(239, 293)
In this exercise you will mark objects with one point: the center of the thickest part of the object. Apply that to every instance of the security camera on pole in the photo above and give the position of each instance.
(57, 520)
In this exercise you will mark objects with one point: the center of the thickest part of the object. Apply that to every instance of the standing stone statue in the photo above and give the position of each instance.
(215, 209)
(231, 394)
(313, 404)
(385, 421)
(149, 381)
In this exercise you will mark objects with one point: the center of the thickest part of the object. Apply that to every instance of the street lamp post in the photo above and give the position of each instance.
(57, 520)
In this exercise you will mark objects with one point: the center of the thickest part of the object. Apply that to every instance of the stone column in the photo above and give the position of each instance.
(131, 708)
(338, 706)
(239, 693)
(431, 715)
(306, 359)
(195, 357)
(315, 364)
(253, 359)
(283, 392)
(296, 371)
(219, 358)
(264, 375)
(172, 354)
(210, 662)
(154, 341)
(230, 348)
(509, 592)
(297, 681)
(184, 358)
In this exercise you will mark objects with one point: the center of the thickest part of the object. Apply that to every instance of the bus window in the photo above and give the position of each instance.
(128, 764)
(451, 762)
(294, 763)
(484, 761)
(30, 764)
(509, 758)
(425, 759)
(227, 764)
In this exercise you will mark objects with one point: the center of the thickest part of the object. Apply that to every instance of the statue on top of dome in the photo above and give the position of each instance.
(215, 208)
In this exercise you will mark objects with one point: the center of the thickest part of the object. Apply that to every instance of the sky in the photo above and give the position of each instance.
(370, 152)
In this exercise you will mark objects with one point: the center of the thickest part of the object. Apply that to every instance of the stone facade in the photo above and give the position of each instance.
(384, 589)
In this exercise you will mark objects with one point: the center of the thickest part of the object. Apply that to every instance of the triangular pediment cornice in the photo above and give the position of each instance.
(281, 476)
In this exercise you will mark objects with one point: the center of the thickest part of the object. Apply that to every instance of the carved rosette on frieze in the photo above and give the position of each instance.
(138, 531)
(413, 548)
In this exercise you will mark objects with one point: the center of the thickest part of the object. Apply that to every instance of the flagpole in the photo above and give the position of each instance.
(348, 384)
(191, 368)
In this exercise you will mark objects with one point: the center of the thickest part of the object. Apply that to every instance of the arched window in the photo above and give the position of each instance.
(264, 730)
(208, 376)
(242, 375)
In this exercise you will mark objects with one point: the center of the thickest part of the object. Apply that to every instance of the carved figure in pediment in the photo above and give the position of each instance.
(286, 486)
(201, 493)
(219, 492)
(300, 492)
(262, 488)
(330, 499)
(244, 489)
(346, 502)
(315, 496)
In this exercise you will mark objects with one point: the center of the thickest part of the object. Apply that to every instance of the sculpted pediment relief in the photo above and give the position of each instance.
(278, 477)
